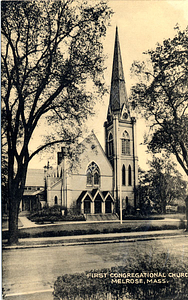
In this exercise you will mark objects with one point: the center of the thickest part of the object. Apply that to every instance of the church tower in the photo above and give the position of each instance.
(120, 137)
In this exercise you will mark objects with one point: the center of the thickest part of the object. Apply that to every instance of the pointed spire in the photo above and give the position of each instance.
(118, 94)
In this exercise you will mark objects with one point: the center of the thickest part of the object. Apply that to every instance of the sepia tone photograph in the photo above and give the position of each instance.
(94, 149)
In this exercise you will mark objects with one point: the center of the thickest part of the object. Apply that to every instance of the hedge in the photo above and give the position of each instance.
(121, 283)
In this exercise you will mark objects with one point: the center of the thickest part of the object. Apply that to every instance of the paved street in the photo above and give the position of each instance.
(35, 270)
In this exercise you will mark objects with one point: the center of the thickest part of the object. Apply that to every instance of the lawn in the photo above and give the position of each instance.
(180, 216)
(72, 229)
(5, 224)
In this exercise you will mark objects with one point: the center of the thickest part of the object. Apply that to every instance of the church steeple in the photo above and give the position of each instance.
(118, 93)
(120, 137)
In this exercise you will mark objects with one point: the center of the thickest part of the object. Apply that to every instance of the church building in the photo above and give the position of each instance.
(101, 178)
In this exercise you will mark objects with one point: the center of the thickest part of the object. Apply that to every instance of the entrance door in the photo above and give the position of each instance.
(87, 207)
(98, 208)
(26, 204)
(108, 207)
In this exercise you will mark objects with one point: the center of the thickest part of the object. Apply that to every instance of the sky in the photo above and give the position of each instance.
(141, 24)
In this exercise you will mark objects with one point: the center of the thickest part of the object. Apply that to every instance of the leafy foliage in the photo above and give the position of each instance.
(51, 50)
(53, 214)
(162, 96)
(161, 185)
(51, 53)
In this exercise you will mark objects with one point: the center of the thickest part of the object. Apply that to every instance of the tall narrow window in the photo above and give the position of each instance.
(123, 147)
(55, 200)
(110, 145)
(128, 147)
(96, 178)
(125, 143)
(127, 202)
(123, 175)
(129, 176)
(89, 178)
(93, 174)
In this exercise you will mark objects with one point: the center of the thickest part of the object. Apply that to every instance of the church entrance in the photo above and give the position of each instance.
(108, 205)
(87, 205)
(98, 207)
(98, 204)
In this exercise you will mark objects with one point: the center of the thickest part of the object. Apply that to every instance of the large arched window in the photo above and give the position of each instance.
(129, 176)
(123, 175)
(93, 174)
(110, 145)
(125, 143)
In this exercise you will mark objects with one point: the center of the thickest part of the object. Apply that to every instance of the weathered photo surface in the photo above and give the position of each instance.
(94, 163)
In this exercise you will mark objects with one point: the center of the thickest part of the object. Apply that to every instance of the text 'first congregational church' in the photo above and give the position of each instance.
(95, 184)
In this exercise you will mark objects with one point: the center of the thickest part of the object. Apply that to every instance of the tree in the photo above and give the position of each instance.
(161, 185)
(4, 167)
(51, 52)
(143, 191)
(162, 96)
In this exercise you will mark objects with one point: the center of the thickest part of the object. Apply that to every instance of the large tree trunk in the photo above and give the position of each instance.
(13, 219)
(15, 190)
(163, 206)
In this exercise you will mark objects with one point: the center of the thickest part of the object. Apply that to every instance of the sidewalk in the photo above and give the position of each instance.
(96, 239)
(26, 223)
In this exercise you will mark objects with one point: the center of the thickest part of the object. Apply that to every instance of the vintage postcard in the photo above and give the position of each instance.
(94, 149)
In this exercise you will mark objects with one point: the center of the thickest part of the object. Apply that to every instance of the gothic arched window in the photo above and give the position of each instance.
(93, 174)
(123, 175)
(129, 176)
(125, 143)
(110, 145)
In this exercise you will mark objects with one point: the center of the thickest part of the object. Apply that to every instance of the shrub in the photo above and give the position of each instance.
(99, 284)
(54, 214)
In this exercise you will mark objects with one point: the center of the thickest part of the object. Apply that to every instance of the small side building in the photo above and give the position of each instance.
(34, 191)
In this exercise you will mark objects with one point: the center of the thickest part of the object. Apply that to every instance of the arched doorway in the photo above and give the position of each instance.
(108, 205)
(98, 204)
(87, 205)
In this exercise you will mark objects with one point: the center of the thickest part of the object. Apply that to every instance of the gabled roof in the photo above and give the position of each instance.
(33, 193)
(92, 195)
(105, 193)
(101, 149)
(81, 195)
(98, 192)
(93, 192)
(35, 177)
(56, 182)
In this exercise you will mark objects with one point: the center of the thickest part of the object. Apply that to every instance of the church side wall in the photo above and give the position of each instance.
(54, 191)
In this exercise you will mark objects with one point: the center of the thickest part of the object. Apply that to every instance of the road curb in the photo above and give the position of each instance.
(95, 240)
